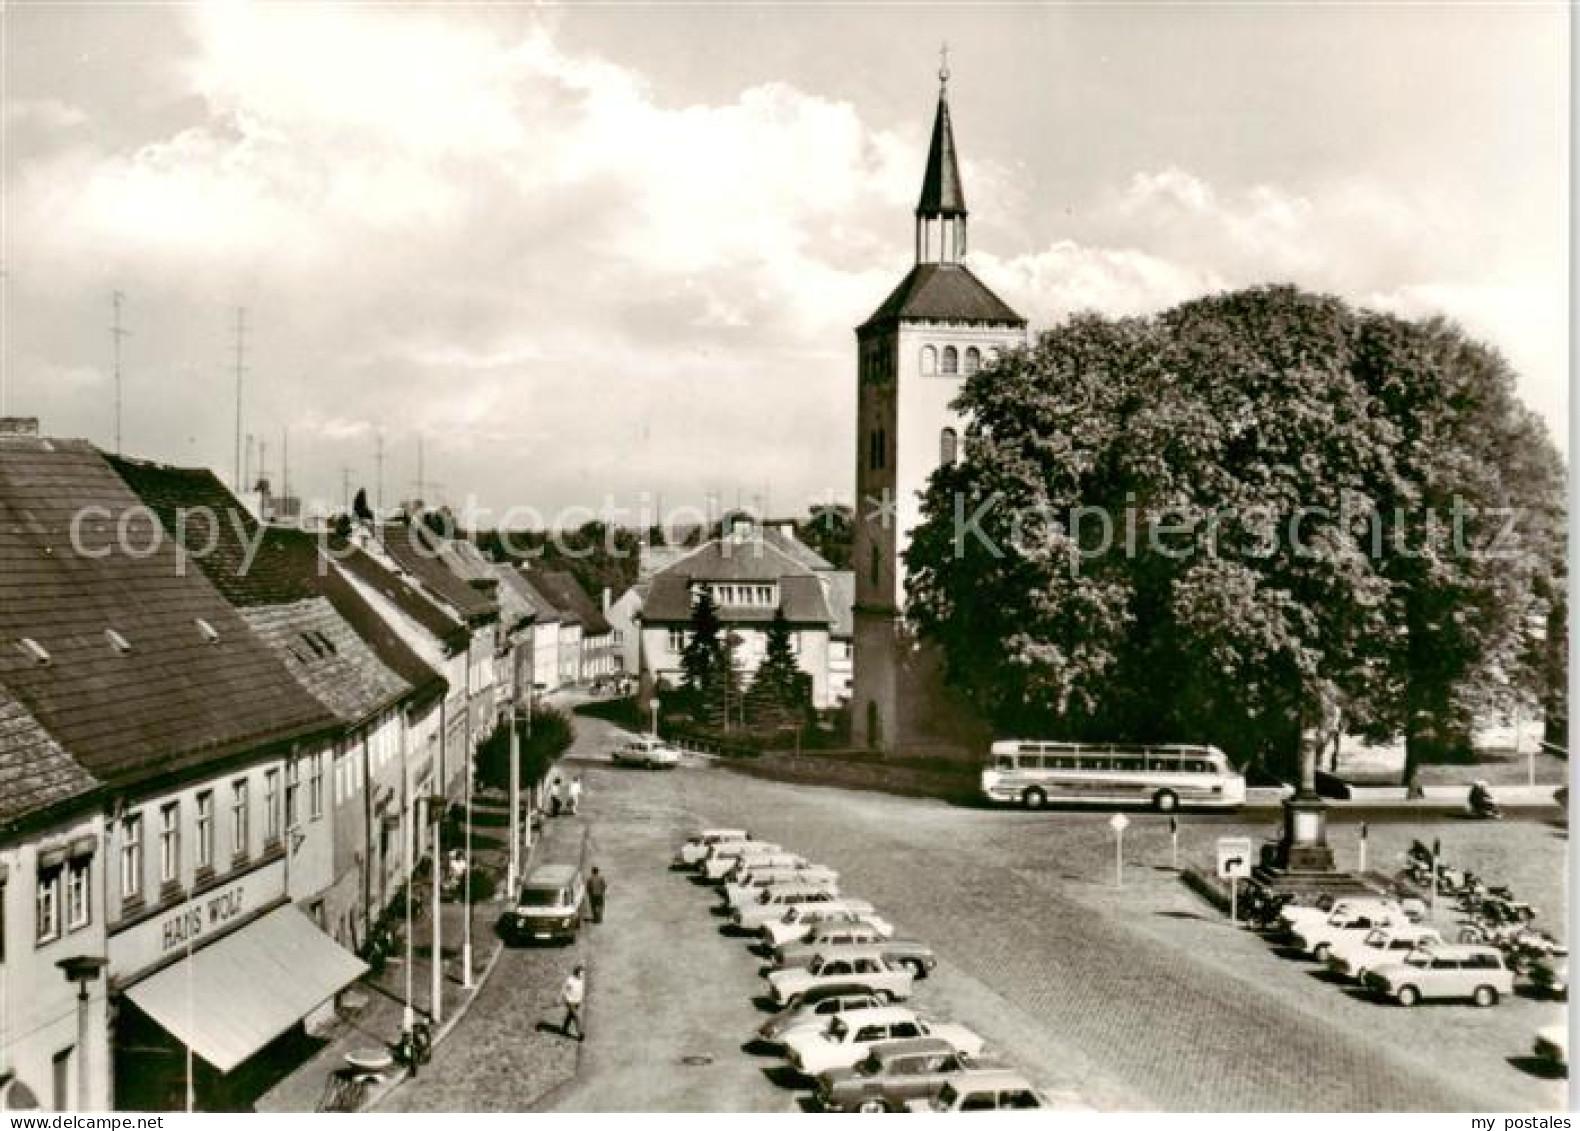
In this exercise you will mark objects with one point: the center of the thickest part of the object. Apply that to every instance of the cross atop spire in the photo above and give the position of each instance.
(941, 210)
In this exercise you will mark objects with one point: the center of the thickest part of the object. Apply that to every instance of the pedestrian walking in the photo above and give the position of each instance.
(575, 793)
(572, 995)
(596, 887)
(556, 795)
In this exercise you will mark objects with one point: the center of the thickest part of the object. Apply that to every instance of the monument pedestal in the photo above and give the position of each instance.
(1304, 847)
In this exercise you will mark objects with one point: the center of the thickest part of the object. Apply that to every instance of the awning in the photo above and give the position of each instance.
(235, 996)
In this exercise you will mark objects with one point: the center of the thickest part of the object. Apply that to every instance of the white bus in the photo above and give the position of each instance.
(1035, 774)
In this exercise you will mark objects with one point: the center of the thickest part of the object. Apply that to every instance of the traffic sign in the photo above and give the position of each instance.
(1234, 857)
(1119, 822)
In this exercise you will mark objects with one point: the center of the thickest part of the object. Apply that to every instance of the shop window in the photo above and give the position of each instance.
(132, 858)
(929, 361)
(951, 361)
(47, 904)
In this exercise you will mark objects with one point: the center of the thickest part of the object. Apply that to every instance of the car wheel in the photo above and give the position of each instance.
(1034, 798)
(1408, 995)
(1321, 952)
(1166, 801)
(873, 1106)
(1485, 996)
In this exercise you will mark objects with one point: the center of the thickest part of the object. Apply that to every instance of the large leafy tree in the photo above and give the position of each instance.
(1168, 528)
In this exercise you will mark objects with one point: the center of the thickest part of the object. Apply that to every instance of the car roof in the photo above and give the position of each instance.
(890, 1014)
(911, 1046)
(556, 875)
(990, 1078)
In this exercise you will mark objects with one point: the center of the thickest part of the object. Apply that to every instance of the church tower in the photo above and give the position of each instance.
(939, 326)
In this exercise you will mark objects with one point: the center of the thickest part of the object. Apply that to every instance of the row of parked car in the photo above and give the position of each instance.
(1387, 947)
(840, 982)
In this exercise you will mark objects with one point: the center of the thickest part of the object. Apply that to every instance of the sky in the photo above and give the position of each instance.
(613, 255)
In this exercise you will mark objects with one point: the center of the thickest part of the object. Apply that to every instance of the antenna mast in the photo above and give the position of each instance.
(241, 368)
(378, 481)
(116, 334)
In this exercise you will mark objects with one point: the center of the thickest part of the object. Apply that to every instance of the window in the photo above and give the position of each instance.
(132, 858)
(948, 447)
(240, 813)
(203, 851)
(271, 806)
(951, 361)
(170, 843)
(315, 787)
(293, 793)
(929, 360)
(878, 449)
(978, 1101)
(677, 640)
(48, 904)
(60, 1079)
(973, 361)
(79, 892)
(875, 565)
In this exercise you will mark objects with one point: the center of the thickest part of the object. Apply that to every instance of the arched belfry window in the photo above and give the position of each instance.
(973, 361)
(948, 447)
(929, 360)
(951, 363)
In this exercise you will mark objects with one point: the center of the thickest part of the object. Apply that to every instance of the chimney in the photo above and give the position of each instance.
(18, 426)
(606, 600)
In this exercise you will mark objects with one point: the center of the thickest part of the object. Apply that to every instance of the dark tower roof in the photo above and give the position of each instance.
(943, 193)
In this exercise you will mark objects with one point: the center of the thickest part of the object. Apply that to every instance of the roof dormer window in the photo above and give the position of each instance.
(208, 632)
(117, 641)
(33, 650)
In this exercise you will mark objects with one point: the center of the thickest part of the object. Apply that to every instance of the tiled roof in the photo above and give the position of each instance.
(418, 552)
(787, 541)
(327, 658)
(546, 612)
(178, 696)
(656, 559)
(570, 599)
(433, 620)
(752, 559)
(944, 292)
(36, 775)
(800, 595)
(275, 568)
(840, 589)
(517, 602)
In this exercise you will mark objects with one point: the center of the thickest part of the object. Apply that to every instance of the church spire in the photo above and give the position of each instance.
(941, 211)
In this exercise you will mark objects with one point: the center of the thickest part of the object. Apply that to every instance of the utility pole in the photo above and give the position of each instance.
(241, 368)
(117, 332)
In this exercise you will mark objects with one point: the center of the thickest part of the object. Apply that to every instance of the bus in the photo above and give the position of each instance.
(1036, 774)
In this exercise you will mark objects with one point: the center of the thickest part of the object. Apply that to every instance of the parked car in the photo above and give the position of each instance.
(1352, 958)
(772, 902)
(893, 1073)
(722, 857)
(844, 1041)
(1447, 972)
(1551, 976)
(817, 1007)
(1344, 924)
(741, 865)
(696, 847)
(1552, 1046)
(759, 880)
(549, 907)
(645, 750)
(984, 1089)
(863, 967)
(915, 956)
(798, 922)
(1296, 915)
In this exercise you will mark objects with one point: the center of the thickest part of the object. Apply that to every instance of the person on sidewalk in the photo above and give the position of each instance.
(556, 795)
(572, 995)
(575, 794)
(597, 886)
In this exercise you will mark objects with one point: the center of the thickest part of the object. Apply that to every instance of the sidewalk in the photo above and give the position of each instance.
(371, 1012)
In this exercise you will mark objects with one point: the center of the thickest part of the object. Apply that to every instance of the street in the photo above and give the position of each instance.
(1122, 999)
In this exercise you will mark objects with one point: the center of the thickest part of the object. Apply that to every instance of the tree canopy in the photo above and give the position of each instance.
(1254, 515)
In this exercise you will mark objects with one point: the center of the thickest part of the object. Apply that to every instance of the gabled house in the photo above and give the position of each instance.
(586, 637)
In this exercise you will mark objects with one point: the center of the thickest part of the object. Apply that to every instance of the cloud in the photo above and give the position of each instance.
(563, 279)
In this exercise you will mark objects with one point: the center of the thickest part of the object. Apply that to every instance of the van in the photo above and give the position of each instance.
(549, 907)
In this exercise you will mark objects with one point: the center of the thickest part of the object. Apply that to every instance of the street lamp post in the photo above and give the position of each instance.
(82, 970)
(436, 804)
